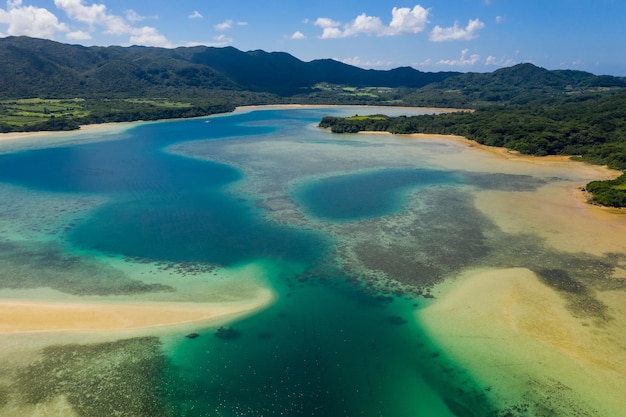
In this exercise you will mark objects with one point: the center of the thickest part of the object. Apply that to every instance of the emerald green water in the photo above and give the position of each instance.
(329, 345)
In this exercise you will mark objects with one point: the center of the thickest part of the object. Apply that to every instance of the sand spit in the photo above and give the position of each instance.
(46, 316)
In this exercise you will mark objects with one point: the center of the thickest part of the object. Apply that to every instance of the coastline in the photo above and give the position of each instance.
(314, 106)
(59, 133)
(239, 109)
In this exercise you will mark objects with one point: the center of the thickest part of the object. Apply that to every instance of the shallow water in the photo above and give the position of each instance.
(353, 232)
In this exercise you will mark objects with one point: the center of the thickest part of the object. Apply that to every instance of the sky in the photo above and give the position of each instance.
(429, 35)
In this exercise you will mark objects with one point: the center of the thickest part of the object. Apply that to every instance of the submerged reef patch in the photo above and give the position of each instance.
(105, 379)
(39, 265)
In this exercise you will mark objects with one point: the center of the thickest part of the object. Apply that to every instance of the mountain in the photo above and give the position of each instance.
(43, 68)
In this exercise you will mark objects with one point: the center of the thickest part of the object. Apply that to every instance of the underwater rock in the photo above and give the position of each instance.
(227, 333)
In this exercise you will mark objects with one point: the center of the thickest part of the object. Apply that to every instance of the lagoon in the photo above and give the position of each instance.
(355, 255)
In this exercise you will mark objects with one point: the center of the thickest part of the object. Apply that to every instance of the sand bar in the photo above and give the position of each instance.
(515, 334)
(18, 316)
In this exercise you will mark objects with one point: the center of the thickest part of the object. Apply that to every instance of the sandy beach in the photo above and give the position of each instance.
(45, 316)
(51, 134)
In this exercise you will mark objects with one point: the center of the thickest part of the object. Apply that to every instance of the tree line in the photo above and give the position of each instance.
(590, 127)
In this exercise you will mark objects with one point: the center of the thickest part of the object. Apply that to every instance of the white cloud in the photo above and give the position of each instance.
(79, 35)
(30, 21)
(148, 36)
(242, 23)
(220, 40)
(406, 20)
(97, 15)
(224, 25)
(456, 33)
(133, 16)
(403, 20)
(499, 19)
(499, 62)
(358, 62)
(195, 15)
(464, 59)
(298, 35)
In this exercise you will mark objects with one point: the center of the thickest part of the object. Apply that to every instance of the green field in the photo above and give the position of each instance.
(31, 111)
(34, 114)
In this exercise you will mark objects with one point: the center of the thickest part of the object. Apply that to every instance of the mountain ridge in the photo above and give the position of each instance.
(43, 68)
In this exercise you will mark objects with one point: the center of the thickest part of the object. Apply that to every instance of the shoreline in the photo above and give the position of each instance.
(511, 155)
(365, 106)
(56, 133)
(238, 109)
(29, 316)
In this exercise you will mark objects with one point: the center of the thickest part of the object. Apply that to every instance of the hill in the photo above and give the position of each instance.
(43, 68)
(47, 69)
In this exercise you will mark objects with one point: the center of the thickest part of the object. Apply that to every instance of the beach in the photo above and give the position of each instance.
(44, 316)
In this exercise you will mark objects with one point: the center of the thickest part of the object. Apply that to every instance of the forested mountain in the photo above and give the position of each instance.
(42, 68)
(47, 69)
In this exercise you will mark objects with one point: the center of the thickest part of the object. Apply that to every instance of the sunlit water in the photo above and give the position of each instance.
(352, 232)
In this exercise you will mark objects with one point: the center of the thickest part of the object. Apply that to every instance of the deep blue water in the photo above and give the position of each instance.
(370, 194)
(326, 348)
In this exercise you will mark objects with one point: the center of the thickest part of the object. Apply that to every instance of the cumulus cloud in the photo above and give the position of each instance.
(195, 15)
(457, 33)
(403, 21)
(30, 21)
(463, 60)
(298, 35)
(406, 20)
(93, 15)
(97, 15)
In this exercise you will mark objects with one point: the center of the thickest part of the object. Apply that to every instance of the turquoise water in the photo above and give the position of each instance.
(327, 347)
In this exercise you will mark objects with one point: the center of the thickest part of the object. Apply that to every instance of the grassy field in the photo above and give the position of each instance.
(21, 114)
(31, 111)
(372, 117)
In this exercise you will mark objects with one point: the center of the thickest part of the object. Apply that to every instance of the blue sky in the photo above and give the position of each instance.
(430, 35)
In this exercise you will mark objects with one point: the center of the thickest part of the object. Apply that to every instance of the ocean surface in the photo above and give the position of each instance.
(353, 232)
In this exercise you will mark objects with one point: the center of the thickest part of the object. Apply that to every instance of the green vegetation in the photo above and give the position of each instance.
(590, 126)
(56, 114)
(610, 193)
